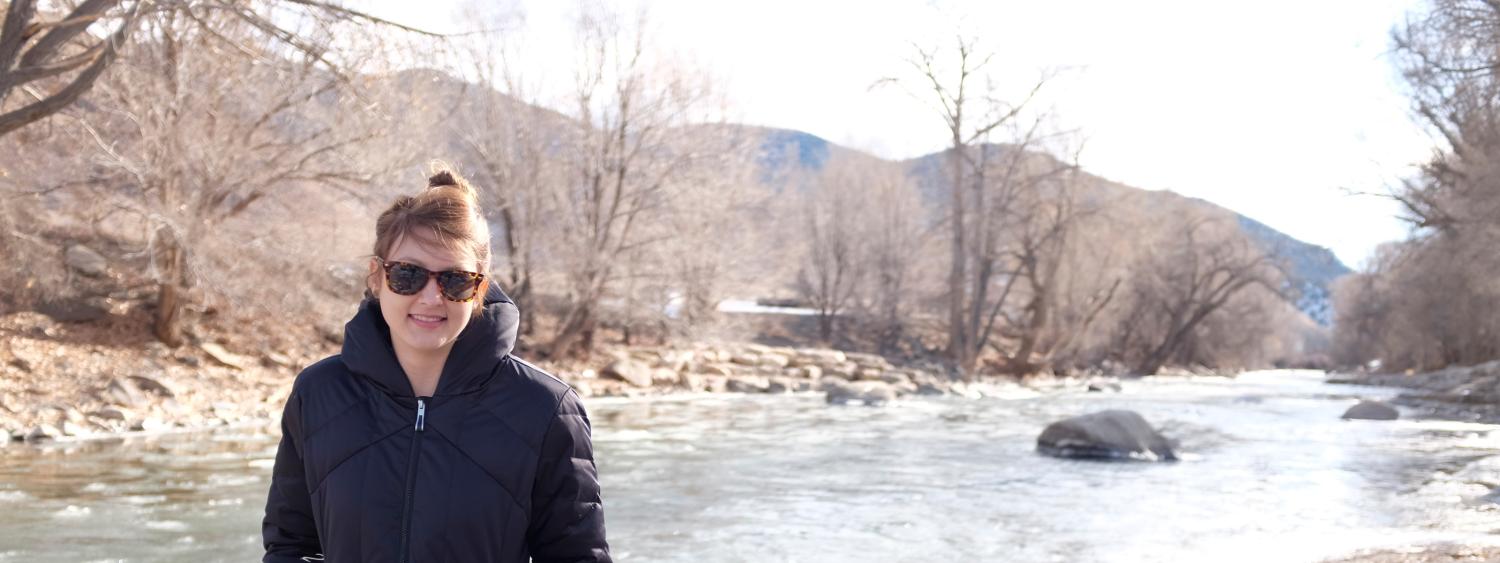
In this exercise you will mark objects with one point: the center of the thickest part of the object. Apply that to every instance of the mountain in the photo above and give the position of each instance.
(1312, 269)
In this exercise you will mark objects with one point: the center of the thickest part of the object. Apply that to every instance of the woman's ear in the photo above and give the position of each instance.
(372, 280)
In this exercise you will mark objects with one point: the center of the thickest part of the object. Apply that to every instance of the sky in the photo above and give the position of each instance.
(1289, 112)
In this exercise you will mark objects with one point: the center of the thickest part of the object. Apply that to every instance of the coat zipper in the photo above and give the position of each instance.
(411, 479)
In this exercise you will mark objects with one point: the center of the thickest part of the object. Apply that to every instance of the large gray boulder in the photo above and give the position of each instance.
(1112, 434)
(1371, 410)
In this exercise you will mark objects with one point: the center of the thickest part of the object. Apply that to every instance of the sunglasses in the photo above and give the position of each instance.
(405, 278)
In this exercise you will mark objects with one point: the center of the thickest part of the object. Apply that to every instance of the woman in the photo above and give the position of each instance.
(425, 440)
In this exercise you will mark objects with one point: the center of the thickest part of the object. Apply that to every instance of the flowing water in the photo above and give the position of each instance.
(1270, 473)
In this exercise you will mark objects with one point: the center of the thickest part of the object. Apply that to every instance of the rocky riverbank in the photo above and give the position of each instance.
(1441, 553)
(1467, 393)
(65, 381)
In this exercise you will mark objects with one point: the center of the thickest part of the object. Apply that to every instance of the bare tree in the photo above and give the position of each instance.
(895, 234)
(36, 53)
(53, 59)
(514, 143)
(836, 255)
(1199, 268)
(973, 113)
(1041, 225)
(630, 150)
(1431, 300)
(182, 149)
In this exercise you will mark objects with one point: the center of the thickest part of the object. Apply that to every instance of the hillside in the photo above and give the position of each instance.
(1312, 268)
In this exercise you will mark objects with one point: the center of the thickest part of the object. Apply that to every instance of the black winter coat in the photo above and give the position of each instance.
(496, 466)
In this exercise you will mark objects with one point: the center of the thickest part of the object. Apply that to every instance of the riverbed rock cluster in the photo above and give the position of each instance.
(847, 377)
(1460, 392)
(56, 383)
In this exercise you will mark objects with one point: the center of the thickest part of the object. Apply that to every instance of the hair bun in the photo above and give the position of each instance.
(442, 178)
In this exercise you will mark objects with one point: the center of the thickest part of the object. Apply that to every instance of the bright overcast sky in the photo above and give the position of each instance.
(1275, 109)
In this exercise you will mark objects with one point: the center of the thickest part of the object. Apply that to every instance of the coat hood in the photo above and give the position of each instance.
(488, 338)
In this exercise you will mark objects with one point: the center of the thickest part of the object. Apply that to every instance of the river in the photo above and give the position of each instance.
(1269, 473)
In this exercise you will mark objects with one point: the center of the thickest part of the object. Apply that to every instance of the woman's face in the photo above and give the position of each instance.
(425, 322)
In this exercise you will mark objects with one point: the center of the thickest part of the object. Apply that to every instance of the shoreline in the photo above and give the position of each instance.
(989, 387)
(1459, 393)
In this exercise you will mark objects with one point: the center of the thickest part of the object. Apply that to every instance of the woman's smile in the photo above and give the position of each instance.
(427, 321)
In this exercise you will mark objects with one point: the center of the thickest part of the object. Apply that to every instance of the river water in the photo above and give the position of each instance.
(1270, 473)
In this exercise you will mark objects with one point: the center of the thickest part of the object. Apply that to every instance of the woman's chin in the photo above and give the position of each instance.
(424, 342)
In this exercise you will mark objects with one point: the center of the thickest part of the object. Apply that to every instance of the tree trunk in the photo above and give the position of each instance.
(576, 337)
(825, 327)
(960, 345)
(169, 298)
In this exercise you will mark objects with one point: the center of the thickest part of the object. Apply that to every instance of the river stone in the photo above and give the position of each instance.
(153, 386)
(870, 393)
(931, 389)
(896, 378)
(665, 376)
(648, 357)
(675, 360)
(76, 310)
(124, 393)
(720, 370)
(582, 388)
(745, 385)
(715, 383)
(813, 356)
(110, 413)
(629, 371)
(222, 356)
(1371, 410)
(276, 359)
(776, 361)
(70, 428)
(845, 370)
(875, 361)
(43, 432)
(85, 260)
(746, 359)
(779, 385)
(1111, 434)
(1103, 386)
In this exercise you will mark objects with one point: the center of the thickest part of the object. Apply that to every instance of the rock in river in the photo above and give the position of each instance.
(1112, 434)
(1371, 410)
(871, 393)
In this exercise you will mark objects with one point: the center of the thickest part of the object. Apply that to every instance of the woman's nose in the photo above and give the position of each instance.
(430, 293)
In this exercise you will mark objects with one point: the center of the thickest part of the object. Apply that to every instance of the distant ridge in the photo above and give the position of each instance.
(1313, 268)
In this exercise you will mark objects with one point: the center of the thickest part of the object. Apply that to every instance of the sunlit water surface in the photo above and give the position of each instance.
(1270, 473)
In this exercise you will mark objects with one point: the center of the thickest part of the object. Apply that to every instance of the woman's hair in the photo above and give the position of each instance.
(445, 214)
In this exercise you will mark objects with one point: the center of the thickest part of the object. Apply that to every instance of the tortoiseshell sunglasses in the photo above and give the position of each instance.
(405, 278)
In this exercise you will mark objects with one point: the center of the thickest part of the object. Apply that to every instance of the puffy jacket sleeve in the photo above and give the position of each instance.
(567, 514)
(288, 529)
